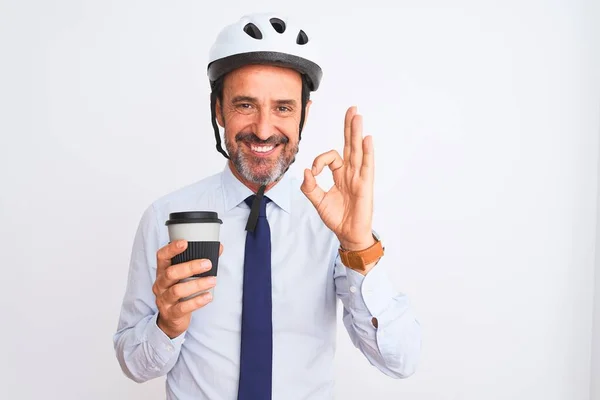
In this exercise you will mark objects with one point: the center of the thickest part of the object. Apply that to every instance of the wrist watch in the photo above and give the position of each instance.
(358, 260)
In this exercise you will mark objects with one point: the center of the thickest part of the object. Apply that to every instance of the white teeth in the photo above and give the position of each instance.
(262, 149)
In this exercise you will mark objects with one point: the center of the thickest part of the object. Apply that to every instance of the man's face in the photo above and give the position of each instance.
(260, 113)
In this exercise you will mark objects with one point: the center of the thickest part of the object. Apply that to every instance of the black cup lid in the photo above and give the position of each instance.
(193, 217)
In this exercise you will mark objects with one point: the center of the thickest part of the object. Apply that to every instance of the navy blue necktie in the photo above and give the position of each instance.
(256, 358)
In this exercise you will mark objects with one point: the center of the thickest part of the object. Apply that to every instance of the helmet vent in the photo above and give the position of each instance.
(253, 31)
(301, 38)
(278, 24)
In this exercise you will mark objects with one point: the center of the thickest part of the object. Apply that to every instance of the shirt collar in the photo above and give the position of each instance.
(235, 192)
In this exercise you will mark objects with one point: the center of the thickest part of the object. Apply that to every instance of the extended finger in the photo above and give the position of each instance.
(167, 252)
(368, 161)
(310, 188)
(177, 272)
(332, 158)
(185, 307)
(350, 113)
(356, 152)
(185, 289)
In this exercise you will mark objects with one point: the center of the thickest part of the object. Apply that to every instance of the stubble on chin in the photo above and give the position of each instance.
(258, 170)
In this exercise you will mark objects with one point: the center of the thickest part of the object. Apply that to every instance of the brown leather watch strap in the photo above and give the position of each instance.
(358, 260)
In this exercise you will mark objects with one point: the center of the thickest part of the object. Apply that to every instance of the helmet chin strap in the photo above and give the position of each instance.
(213, 114)
(253, 218)
(303, 111)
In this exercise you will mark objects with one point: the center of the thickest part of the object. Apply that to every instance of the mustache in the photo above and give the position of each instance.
(250, 137)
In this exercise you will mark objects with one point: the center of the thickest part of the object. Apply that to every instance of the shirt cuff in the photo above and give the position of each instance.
(373, 292)
(165, 348)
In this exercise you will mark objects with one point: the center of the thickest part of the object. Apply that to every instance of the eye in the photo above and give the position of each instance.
(284, 109)
(244, 106)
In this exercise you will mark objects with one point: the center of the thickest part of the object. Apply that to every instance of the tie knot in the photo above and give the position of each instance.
(262, 210)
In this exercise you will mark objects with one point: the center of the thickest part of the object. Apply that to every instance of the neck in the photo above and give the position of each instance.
(250, 185)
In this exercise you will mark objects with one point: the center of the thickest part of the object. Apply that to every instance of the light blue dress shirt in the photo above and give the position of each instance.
(307, 280)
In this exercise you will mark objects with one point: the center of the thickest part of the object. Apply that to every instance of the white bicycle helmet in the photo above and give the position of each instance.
(262, 38)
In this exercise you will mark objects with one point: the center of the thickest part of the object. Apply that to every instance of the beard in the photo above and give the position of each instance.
(258, 170)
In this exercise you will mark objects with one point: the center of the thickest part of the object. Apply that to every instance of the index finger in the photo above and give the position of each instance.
(167, 252)
(331, 158)
(350, 113)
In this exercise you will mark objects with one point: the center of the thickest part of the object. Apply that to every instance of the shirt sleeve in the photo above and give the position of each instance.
(394, 345)
(143, 350)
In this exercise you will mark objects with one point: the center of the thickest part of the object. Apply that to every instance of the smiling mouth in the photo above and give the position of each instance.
(262, 150)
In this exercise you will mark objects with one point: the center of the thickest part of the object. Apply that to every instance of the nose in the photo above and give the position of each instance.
(264, 125)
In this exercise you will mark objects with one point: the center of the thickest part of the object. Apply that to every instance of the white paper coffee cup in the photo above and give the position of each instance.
(201, 230)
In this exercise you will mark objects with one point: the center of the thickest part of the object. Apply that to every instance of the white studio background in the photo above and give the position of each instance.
(595, 371)
(485, 117)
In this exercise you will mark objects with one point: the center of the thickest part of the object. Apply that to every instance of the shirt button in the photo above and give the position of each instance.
(170, 348)
(353, 289)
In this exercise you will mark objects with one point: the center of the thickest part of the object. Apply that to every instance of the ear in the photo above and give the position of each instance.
(219, 113)
(306, 112)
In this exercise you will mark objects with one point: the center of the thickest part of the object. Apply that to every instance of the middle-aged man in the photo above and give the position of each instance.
(288, 251)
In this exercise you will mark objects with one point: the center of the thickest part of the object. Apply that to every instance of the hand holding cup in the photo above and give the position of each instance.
(186, 268)
(174, 290)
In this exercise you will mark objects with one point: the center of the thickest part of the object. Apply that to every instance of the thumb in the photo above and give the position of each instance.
(310, 188)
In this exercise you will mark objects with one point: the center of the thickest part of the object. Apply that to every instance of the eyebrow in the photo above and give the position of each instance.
(250, 99)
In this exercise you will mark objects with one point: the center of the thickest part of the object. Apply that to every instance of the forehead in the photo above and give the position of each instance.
(263, 81)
